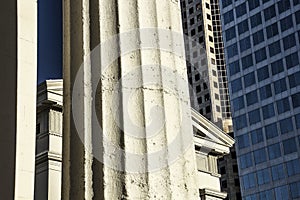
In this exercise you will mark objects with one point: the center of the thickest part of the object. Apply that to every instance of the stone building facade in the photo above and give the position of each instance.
(210, 144)
(48, 163)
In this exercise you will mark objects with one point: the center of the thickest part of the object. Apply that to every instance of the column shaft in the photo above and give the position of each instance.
(134, 87)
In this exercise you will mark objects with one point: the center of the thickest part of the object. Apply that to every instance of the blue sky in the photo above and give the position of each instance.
(49, 39)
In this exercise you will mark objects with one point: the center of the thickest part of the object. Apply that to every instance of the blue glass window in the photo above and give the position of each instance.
(274, 48)
(297, 15)
(247, 61)
(292, 60)
(254, 116)
(296, 2)
(277, 172)
(228, 17)
(250, 197)
(286, 125)
(238, 103)
(272, 30)
(265, 1)
(283, 105)
(263, 176)
(289, 41)
(268, 111)
(294, 79)
(232, 50)
(271, 131)
(263, 73)
(277, 67)
(280, 86)
(274, 151)
(230, 33)
(245, 44)
(295, 189)
(240, 10)
(234, 68)
(243, 141)
(293, 167)
(249, 181)
(297, 118)
(283, 5)
(246, 161)
(258, 37)
(265, 92)
(240, 122)
(260, 156)
(267, 195)
(296, 100)
(251, 98)
(253, 4)
(243, 26)
(289, 146)
(257, 136)
(269, 12)
(260, 55)
(236, 85)
(255, 20)
(226, 3)
(281, 192)
(249, 79)
(286, 23)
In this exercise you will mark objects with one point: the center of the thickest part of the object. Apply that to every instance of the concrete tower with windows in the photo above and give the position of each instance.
(206, 68)
(205, 61)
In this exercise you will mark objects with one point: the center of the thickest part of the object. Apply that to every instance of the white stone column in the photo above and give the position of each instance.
(127, 121)
(18, 54)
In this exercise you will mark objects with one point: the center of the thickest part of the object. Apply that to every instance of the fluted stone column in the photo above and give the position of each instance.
(127, 121)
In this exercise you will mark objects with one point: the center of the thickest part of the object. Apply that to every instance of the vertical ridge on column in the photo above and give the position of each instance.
(180, 65)
(163, 23)
(97, 165)
(66, 92)
(190, 157)
(134, 135)
(152, 89)
(113, 180)
(73, 151)
(87, 101)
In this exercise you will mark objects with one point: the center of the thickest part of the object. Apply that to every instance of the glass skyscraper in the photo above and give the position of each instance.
(262, 42)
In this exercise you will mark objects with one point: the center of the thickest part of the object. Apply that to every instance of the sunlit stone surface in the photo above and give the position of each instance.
(127, 119)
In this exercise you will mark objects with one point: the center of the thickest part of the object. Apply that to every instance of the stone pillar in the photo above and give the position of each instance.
(127, 121)
(18, 56)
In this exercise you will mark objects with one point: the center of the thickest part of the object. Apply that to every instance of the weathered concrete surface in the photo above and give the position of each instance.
(136, 173)
(18, 55)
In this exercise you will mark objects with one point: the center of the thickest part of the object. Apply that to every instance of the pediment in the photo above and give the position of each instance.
(208, 135)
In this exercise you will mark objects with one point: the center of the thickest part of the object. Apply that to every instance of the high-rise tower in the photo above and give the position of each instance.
(205, 61)
(262, 50)
(206, 68)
